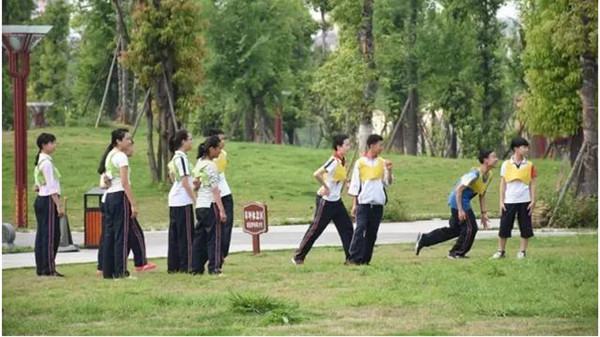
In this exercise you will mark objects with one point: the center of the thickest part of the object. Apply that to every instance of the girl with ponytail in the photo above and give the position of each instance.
(47, 207)
(181, 205)
(119, 205)
(210, 212)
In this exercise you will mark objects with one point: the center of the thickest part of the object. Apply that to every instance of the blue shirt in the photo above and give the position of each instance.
(467, 193)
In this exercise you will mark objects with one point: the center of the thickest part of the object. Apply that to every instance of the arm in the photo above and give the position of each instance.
(388, 178)
(127, 188)
(48, 172)
(462, 216)
(188, 188)
(502, 193)
(532, 195)
(484, 217)
(319, 176)
(217, 195)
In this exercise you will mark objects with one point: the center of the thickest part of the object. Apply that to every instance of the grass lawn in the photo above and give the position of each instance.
(553, 292)
(280, 176)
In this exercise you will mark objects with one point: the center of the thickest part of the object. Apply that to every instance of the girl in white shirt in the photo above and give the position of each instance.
(210, 212)
(47, 207)
(119, 206)
(181, 205)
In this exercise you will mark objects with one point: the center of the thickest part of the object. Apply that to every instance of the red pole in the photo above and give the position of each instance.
(256, 244)
(19, 73)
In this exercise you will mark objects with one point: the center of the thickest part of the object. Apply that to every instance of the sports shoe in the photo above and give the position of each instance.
(147, 266)
(57, 274)
(418, 246)
(297, 262)
(351, 263)
(499, 255)
(521, 255)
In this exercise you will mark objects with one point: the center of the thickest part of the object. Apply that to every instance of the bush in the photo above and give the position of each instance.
(574, 212)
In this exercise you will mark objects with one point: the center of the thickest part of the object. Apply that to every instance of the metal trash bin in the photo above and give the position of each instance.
(92, 217)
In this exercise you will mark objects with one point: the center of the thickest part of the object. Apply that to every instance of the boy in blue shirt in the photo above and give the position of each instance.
(463, 223)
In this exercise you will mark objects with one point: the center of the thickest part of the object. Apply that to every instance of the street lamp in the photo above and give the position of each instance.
(18, 42)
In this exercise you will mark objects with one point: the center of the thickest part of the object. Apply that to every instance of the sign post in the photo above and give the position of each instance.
(255, 223)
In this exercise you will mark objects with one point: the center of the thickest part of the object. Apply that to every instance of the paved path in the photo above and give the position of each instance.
(278, 237)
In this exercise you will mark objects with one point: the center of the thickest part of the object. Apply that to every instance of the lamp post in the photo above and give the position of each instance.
(18, 42)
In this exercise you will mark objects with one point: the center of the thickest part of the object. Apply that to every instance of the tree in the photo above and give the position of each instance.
(258, 48)
(166, 52)
(50, 68)
(560, 61)
(96, 23)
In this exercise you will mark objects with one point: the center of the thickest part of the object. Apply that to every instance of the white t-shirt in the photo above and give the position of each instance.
(119, 159)
(46, 167)
(223, 186)
(370, 191)
(516, 191)
(335, 188)
(178, 196)
(206, 171)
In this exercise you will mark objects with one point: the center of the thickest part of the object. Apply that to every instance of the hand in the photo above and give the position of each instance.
(36, 188)
(106, 181)
(196, 184)
(502, 207)
(462, 216)
(485, 221)
(223, 216)
(353, 211)
(133, 211)
(61, 212)
(531, 207)
(325, 191)
(388, 164)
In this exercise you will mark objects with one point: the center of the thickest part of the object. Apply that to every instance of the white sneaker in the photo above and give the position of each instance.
(499, 255)
(418, 244)
(521, 255)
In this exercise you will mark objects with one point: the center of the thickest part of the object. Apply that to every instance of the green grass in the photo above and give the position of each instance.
(553, 292)
(280, 176)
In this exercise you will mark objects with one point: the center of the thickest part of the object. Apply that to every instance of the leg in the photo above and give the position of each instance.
(214, 241)
(525, 225)
(372, 229)
(507, 222)
(108, 244)
(54, 236)
(41, 211)
(121, 222)
(467, 235)
(100, 250)
(199, 253)
(185, 238)
(323, 215)
(173, 248)
(137, 243)
(343, 223)
(442, 234)
(357, 246)
(228, 225)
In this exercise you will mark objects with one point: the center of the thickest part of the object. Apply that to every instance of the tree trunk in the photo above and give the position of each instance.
(124, 105)
(412, 127)
(324, 29)
(262, 119)
(367, 49)
(399, 138)
(249, 119)
(588, 92)
(150, 152)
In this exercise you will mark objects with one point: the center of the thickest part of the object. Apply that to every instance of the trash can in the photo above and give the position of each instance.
(92, 217)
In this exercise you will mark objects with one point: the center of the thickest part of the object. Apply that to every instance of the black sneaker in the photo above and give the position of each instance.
(418, 246)
(57, 274)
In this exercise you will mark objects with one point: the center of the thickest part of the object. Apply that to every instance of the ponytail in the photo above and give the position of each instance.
(102, 165)
(43, 139)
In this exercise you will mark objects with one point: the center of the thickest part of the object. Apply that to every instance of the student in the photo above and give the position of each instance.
(210, 212)
(119, 206)
(517, 197)
(136, 241)
(181, 205)
(370, 176)
(463, 223)
(226, 196)
(329, 204)
(47, 207)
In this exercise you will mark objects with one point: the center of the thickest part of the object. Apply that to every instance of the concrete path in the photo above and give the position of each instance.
(278, 237)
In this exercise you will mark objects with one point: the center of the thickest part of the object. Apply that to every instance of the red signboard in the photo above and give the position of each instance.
(255, 218)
